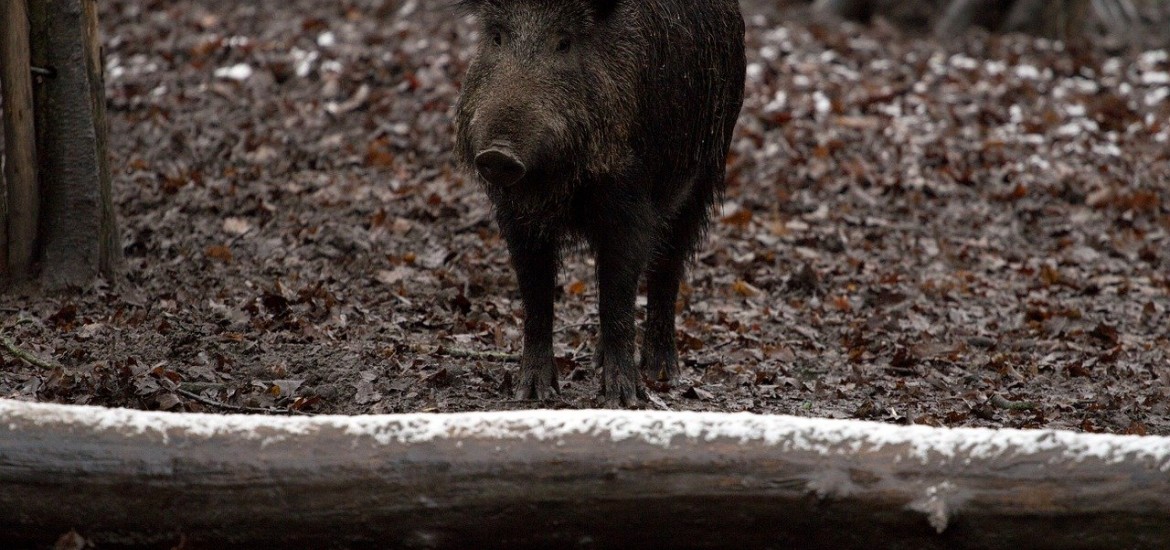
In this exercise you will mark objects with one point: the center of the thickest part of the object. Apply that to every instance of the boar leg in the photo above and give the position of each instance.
(659, 352)
(535, 262)
(665, 273)
(621, 259)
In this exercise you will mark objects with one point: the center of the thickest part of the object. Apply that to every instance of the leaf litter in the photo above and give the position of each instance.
(968, 235)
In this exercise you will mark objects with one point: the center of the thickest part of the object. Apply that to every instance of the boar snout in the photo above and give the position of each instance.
(500, 165)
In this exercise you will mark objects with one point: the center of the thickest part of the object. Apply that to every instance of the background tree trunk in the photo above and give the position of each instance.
(1057, 19)
(18, 215)
(910, 15)
(853, 10)
(79, 235)
(961, 15)
(3, 219)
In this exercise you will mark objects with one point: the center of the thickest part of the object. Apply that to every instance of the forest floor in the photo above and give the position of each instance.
(975, 234)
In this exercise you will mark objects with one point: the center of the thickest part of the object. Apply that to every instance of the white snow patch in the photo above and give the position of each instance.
(666, 429)
(304, 61)
(960, 61)
(238, 72)
(1157, 96)
(1086, 86)
(1111, 66)
(822, 103)
(1027, 72)
(778, 34)
(755, 72)
(1155, 78)
(1076, 128)
(778, 103)
(1153, 57)
(408, 8)
(1107, 150)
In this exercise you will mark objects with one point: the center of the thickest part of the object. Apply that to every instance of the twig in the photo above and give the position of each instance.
(998, 401)
(199, 386)
(473, 354)
(239, 408)
(473, 223)
(24, 355)
(574, 326)
(499, 356)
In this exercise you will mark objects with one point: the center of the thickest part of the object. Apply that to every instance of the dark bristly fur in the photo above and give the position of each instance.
(619, 114)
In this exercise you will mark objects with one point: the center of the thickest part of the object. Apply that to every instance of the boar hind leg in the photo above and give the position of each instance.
(663, 277)
(535, 261)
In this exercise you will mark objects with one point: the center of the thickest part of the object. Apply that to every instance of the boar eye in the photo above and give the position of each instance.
(497, 38)
(564, 45)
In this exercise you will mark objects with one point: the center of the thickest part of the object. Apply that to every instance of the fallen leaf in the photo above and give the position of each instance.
(219, 252)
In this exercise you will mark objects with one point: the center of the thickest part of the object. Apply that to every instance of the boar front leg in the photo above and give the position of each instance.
(622, 255)
(535, 260)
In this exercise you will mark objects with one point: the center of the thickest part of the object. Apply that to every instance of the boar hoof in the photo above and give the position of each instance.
(621, 389)
(660, 366)
(538, 380)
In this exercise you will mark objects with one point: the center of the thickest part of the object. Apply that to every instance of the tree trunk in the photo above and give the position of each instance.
(78, 230)
(3, 220)
(564, 479)
(1057, 19)
(19, 214)
(961, 15)
(853, 10)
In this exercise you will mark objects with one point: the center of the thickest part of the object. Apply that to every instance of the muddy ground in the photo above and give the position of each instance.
(968, 235)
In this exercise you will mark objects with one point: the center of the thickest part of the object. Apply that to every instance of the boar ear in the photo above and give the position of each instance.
(605, 7)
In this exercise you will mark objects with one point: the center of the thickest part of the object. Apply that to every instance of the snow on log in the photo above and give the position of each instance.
(598, 479)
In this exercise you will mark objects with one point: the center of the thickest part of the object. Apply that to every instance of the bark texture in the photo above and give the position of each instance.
(18, 214)
(77, 226)
(1060, 19)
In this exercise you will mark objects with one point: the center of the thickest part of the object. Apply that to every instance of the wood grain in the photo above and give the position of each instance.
(20, 168)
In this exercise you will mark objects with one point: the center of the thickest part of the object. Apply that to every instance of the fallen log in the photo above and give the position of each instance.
(597, 479)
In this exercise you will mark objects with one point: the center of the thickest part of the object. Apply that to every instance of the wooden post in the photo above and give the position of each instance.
(3, 220)
(20, 169)
(110, 248)
(78, 231)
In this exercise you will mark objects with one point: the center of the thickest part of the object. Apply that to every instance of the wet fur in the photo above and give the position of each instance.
(626, 142)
